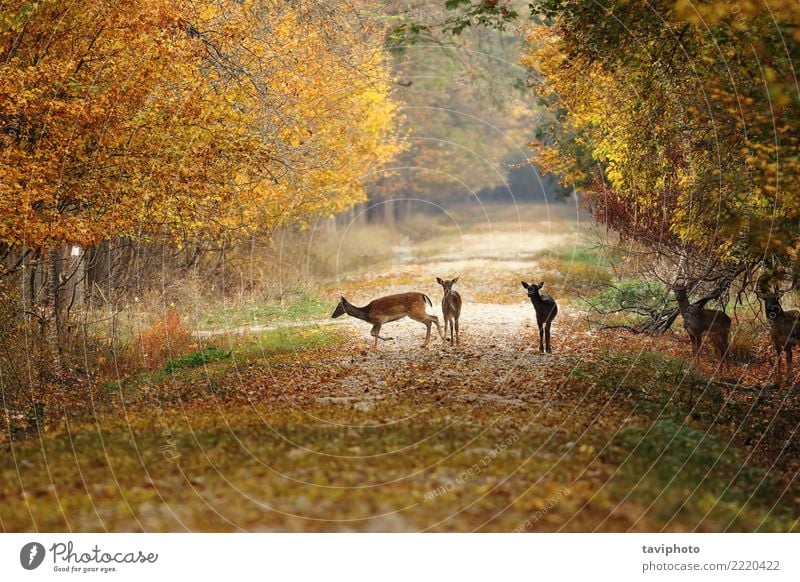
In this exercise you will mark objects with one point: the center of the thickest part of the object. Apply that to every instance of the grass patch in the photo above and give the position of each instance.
(579, 268)
(210, 368)
(277, 342)
(581, 255)
(652, 382)
(198, 358)
(679, 453)
(302, 306)
(690, 476)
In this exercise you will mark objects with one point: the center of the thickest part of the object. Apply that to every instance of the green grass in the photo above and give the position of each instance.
(211, 366)
(276, 342)
(579, 255)
(197, 358)
(652, 382)
(299, 307)
(689, 477)
(580, 268)
(682, 454)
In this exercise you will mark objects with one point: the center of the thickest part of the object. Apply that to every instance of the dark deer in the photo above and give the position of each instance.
(451, 308)
(784, 330)
(391, 308)
(546, 311)
(698, 321)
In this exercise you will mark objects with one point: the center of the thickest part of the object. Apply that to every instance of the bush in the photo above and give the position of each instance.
(637, 295)
(165, 339)
(745, 339)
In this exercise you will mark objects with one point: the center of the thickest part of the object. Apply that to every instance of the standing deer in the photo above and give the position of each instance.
(698, 321)
(546, 311)
(784, 330)
(391, 308)
(451, 308)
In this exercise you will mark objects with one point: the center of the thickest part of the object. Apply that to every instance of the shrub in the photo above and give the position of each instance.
(637, 295)
(166, 338)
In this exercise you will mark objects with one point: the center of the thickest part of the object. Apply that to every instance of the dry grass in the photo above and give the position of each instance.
(165, 339)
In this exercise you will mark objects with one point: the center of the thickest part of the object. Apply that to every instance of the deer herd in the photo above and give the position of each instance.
(412, 305)
(699, 322)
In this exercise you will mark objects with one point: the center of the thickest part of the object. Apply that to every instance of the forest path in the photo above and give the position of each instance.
(490, 435)
(415, 431)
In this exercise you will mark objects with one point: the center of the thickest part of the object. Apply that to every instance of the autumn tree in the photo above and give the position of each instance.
(169, 121)
(678, 121)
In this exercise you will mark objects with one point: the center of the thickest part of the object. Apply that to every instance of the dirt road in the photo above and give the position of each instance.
(490, 435)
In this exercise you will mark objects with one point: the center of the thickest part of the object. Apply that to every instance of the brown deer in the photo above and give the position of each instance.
(784, 330)
(451, 308)
(698, 321)
(391, 308)
(546, 311)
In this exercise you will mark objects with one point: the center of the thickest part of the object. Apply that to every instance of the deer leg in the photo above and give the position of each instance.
(721, 343)
(427, 335)
(788, 350)
(427, 320)
(376, 333)
(695, 346)
(777, 373)
(547, 336)
(458, 341)
(434, 320)
(446, 321)
(541, 337)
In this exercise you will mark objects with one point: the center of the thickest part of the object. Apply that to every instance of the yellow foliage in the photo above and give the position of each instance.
(165, 118)
(688, 144)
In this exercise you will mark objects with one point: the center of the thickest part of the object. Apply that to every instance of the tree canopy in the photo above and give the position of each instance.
(174, 118)
(676, 119)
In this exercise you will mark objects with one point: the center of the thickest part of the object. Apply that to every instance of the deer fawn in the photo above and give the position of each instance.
(391, 308)
(784, 330)
(698, 321)
(451, 308)
(546, 311)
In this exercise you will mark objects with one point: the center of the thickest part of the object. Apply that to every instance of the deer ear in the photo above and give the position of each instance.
(456, 279)
(525, 285)
(438, 280)
(541, 284)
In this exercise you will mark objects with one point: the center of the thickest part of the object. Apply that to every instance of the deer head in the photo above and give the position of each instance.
(340, 308)
(447, 285)
(533, 290)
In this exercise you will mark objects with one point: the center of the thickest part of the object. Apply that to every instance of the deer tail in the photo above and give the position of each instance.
(427, 300)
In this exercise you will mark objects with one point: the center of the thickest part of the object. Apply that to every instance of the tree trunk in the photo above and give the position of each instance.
(329, 225)
(359, 214)
(76, 272)
(53, 327)
(388, 212)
